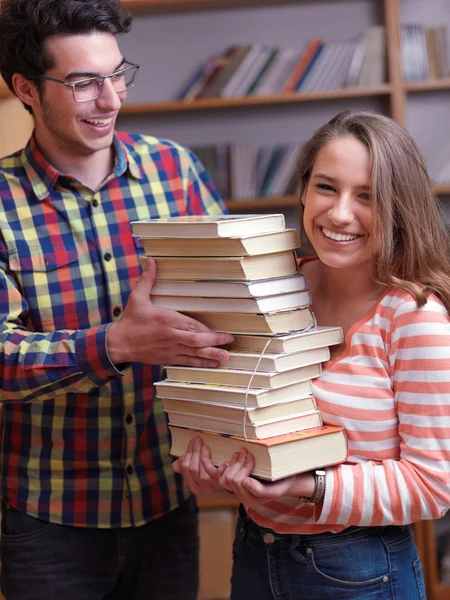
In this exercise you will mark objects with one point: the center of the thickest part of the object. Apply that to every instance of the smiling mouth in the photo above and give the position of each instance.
(338, 237)
(99, 122)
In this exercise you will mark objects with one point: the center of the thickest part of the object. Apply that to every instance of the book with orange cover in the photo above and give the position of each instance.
(275, 457)
(302, 65)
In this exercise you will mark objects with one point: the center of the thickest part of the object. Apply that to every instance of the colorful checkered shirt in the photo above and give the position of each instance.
(82, 443)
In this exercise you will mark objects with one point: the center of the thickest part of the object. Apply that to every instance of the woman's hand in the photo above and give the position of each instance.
(251, 492)
(201, 475)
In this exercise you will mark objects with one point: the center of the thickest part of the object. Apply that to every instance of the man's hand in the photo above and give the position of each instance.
(160, 336)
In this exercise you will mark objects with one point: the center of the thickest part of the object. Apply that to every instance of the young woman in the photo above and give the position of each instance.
(381, 271)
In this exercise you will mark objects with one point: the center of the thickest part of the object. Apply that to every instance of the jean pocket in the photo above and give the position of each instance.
(417, 565)
(18, 526)
(356, 564)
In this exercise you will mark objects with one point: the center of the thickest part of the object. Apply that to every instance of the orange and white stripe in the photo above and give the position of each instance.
(390, 390)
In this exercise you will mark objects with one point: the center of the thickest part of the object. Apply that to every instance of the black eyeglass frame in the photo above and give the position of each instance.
(99, 78)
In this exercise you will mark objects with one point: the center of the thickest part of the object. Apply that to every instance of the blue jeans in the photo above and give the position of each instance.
(360, 563)
(46, 561)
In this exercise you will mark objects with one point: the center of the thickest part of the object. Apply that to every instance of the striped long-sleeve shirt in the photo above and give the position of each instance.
(390, 390)
(82, 443)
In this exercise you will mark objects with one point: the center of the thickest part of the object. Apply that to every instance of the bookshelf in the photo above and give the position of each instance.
(392, 98)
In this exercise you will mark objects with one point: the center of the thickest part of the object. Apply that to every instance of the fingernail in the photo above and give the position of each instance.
(222, 356)
(230, 338)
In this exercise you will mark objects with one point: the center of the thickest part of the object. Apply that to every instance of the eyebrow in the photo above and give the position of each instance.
(80, 74)
(333, 180)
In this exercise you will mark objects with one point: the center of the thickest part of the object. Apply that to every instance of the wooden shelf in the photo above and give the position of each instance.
(262, 203)
(431, 85)
(442, 189)
(252, 101)
(152, 7)
(289, 201)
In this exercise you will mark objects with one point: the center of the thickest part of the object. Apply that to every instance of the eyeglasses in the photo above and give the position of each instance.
(85, 90)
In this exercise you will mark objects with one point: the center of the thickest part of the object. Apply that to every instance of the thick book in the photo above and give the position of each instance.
(231, 394)
(204, 226)
(265, 429)
(245, 268)
(234, 412)
(275, 362)
(275, 457)
(241, 377)
(240, 305)
(302, 65)
(317, 337)
(248, 245)
(282, 322)
(231, 289)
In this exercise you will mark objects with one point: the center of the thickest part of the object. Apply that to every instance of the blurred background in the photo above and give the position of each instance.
(244, 83)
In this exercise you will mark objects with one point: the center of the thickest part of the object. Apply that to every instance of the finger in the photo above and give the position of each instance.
(147, 279)
(207, 463)
(220, 470)
(195, 338)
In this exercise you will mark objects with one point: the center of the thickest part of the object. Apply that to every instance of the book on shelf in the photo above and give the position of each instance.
(239, 268)
(286, 321)
(232, 394)
(242, 378)
(231, 289)
(228, 65)
(239, 305)
(303, 66)
(264, 429)
(275, 362)
(373, 65)
(246, 245)
(275, 457)
(235, 412)
(316, 337)
(205, 226)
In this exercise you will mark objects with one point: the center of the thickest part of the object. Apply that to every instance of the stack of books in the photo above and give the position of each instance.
(238, 274)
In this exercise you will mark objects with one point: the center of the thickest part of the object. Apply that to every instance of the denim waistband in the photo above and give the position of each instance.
(390, 533)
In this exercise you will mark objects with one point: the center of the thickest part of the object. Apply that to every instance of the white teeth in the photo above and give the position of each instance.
(338, 237)
(99, 123)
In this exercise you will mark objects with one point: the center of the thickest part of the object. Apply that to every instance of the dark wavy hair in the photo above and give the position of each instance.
(26, 25)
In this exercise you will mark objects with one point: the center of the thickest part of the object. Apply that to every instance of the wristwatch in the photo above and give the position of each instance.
(319, 489)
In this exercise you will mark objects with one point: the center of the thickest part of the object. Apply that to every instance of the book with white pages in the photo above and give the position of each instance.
(259, 288)
(237, 412)
(240, 305)
(201, 226)
(275, 362)
(316, 337)
(232, 394)
(266, 429)
(243, 378)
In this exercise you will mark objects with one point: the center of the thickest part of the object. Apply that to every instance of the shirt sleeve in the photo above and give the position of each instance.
(40, 366)
(417, 485)
(201, 194)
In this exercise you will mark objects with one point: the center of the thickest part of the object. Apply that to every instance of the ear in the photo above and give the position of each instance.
(26, 90)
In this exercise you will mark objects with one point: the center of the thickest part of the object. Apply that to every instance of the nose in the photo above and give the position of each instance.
(109, 99)
(341, 212)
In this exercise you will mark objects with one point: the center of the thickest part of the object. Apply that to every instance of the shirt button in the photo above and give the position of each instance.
(129, 419)
(130, 470)
(107, 256)
(117, 311)
(95, 202)
(268, 538)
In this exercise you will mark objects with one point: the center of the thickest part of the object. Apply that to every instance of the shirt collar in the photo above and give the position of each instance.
(43, 176)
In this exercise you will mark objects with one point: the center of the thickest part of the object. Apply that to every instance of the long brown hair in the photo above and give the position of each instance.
(414, 246)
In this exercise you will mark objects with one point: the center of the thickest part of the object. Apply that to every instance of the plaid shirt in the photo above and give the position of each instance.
(82, 443)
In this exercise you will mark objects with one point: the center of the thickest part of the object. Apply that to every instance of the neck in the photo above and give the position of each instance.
(90, 168)
(349, 288)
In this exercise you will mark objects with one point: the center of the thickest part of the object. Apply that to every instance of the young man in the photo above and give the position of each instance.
(91, 506)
